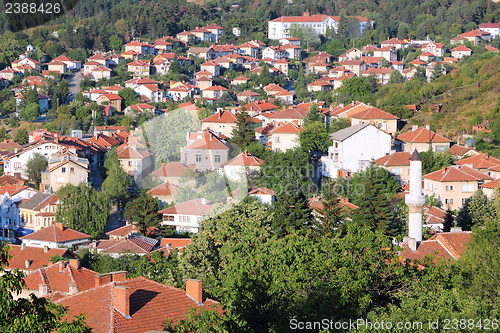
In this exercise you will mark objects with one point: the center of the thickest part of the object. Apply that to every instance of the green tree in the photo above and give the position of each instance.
(314, 137)
(204, 113)
(433, 161)
(143, 210)
(313, 115)
(62, 91)
(83, 208)
(3, 133)
(420, 75)
(35, 165)
(22, 136)
(437, 72)
(243, 133)
(31, 314)
(395, 77)
(30, 112)
(332, 215)
(129, 96)
(476, 211)
(117, 180)
(449, 221)
(291, 211)
(115, 43)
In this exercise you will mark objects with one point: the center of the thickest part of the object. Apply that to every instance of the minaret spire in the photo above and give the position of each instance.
(415, 199)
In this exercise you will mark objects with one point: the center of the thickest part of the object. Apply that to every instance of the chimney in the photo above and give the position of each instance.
(454, 230)
(45, 249)
(194, 290)
(163, 165)
(27, 263)
(306, 14)
(73, 289)
(59, 225)
(102, 279)
(23, 246)
(443, 170)
(203, 201)
(414, 128)
(74, 263)
(412, 244)
(119, 276)
(62, 265)
(428, 127)
(43, 289)
(121, 300)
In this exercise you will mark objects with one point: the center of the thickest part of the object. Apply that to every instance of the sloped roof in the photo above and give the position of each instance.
(457, 174)
(434, 215)
(150, 304)
(207, 141)
(175, 243)
(244, 159)
(347, 132)
(373, 113)
(163, 189)
(492, 185)
(395, 159)
(422, 134)
(122, 231)
(459, 150)
(461, 48)
(287, 127)
(221, 117)
(37, 256)
(480, 161)
(54, 234)
(192, 207)
(448, 245)
(171, 169)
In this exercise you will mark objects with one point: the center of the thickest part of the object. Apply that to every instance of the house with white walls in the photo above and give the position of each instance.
(187, 215)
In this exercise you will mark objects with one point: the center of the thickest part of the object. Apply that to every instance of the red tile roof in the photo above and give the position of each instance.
(127, 150)
(457, 174)
(480, 161)
(175, 243)
(244, 159)
(461, 48)
(261, 191)
(55, 234)
(458, 150)
(221, 117)
(373, 113)
(163, 189)
(171, 169)
(59, 276)
(150, 304)
(422, 134)
(492, 185)
(192, 207)
(126, 230)
(448, 245)
(287, 127)
(394, 159)
(207, 141)
(434, 215)
(37, 256)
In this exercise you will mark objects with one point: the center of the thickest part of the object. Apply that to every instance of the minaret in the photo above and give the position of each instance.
(415, 199)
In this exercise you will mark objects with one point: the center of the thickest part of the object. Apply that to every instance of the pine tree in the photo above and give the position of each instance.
(144, 211)
(332, 214)
(117, 181)
(291, 210)
(449, 221)
(313, 115)
(243, 133)
(375, 209)
(437, 72)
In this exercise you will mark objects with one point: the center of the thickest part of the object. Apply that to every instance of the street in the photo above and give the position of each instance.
(74, 84)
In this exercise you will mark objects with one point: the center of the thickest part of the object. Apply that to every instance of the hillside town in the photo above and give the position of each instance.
(181, 172)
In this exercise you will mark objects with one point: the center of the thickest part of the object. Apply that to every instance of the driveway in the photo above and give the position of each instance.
(74, 84)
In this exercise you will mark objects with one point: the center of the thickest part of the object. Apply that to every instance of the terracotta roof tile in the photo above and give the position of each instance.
(36, 255)
(163, 189)
(192, 207)
(480, 161)
(457, 174)
(448, 245)
(54, 234)
(394, 159)
(244, 159)
(422, 135)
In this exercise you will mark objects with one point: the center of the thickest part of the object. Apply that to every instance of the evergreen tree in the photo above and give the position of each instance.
(395, 77)
(83, 208)
(449, 221)
(143, 210)
(313, 115)
(332, 215)
(22, 136)
(437, 72)
(291, 210)
(476, 211)
(3, 133)
(243, 133)
(117, 181)
(375, 209)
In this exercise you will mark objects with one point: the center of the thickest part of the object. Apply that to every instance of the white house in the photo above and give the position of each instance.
(263, 194)
(151, 91)
(55, 236)
(353, 148)
(9, 218)
(492, 28)
(236, 168)
(187, 215)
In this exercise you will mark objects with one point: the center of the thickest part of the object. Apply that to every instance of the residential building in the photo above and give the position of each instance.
(57, 67)
(383, 120)
(461, 51)
(187, 216)
(394, 42)
(213, 92)
(9, 217)
(164, 192)
(353, 148)
(139, 68)
(285, 136)
(247, 96)
(132, 244)
(207, 151)
(136, 161)
(238, 167)
(482, 162)
(462, 151)
(398, 164)
(151, 91)
(292, 51)
(173, 172)
(28, 259)
(382, 74)
(211, 67)
(437, 49)
(422, 139)
(55, 236)
(492, 28)
(445, 246)
(140, 48)
(9, 73)
(434, 218)
(489, 188)
(215, 30)
(70, 63)
(38, 212)
(222, 122)
(134, 305)
(113, 100)
(64, 169)
(453, 185)
(263, 194)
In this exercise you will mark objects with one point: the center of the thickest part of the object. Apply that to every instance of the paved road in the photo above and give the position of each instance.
(114, 220)
(74, 84)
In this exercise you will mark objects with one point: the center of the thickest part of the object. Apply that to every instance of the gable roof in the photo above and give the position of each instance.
(221, 117)
(459, 150)
(457, 174)
(434, 215)
(448, 245)
(55, 234)
(150, 304)
(197, 207)
(37, 256)
(348, 132)
(480, 161)
(491, 185)
(163, 189)
(122, 231)
(134, 244)
(395, 159)
(171, 169)
(287, 127)
(422, 134)
(244, 159)
(373, 113)
(208, 140)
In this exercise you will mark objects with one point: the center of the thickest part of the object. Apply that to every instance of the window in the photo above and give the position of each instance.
(277, 139)
(217, 158)
(17, 165)
(336, 158)
(336, 144)
(396, 171)
(72, 170)
(449, 188)
(60, 180)
(468, 188)
(464, 200)
(63, 170)
(129, 163)
(448, 201)
(198, 158)
(168, 218)
(185, 219)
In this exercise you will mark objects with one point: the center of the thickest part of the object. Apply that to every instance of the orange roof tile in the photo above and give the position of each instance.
(422, 135)
(448, 245)
(394, 159)
(244, 159)
(54, 234)
(492, 185)
(287, 127)
(37, 256)
(457, 174)
(480, 161)
(171, 169)
(197, 207)
(221, 117)
(373, 113)
(163, 189)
